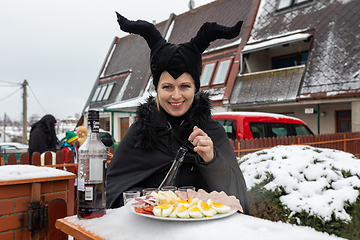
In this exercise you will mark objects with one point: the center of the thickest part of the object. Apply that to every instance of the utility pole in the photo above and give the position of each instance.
(24, 136)
(4, 127)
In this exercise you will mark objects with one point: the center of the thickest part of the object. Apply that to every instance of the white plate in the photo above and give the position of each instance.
(217, 216)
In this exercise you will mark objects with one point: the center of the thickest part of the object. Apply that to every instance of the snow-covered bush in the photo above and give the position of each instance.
(305, 185)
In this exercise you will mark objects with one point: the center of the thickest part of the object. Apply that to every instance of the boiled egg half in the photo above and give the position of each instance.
(194, 212)
(205, 209)
(218, 207)
(163, 210)
(182, 211)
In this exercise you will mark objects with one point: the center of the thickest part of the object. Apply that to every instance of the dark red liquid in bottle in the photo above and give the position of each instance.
(88, 213)
(96, 206)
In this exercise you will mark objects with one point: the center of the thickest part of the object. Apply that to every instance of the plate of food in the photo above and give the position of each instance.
(166, 205)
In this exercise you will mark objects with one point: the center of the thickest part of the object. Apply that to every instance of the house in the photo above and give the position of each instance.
(302, 59)
(295, 57)
(125, 79)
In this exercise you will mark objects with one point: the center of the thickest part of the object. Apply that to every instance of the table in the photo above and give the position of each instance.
(121, 223)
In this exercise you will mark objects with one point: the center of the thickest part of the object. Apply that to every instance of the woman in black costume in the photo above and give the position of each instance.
(178, 116)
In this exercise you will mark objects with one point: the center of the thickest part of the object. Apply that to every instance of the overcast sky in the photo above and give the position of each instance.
(59, 46)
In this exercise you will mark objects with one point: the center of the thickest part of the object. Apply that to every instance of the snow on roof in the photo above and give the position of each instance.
(312, 177)
(168, 33)
(16, 172)
(236, 42)
(256, 114)
(131, 103)
(275, 41)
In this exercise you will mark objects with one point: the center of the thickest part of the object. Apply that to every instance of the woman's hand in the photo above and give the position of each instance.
(203, 144)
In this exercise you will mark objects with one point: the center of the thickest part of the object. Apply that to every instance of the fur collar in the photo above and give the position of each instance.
(149, 119)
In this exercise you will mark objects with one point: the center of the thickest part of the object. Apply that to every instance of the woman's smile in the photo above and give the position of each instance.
(176, 104)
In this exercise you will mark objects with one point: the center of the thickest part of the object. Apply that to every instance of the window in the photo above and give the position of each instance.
(278, 130)
(215, 73)
(230, 128)
(96, 94)
(108, 91)
(343, 121)
(301, 130)
(290, 60)
(222, 72)
(257, 129)
(284, 4)
(206, 75)
(101, 94)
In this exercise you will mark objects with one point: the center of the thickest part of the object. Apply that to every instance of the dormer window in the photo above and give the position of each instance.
(108, 91)
(102, 92)
(215, 72)
(285, 4)
(206, 74)
(221, 72)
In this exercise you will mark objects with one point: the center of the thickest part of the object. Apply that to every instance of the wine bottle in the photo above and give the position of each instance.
(170, 177)
(91, 172)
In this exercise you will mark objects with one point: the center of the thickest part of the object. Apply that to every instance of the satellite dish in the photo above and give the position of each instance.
(191, 4)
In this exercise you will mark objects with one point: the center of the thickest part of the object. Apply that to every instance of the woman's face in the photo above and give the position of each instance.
(176, 95)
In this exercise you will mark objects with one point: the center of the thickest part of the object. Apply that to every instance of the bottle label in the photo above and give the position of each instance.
(88, 193)
(96, 164)
(94, 125)
(81, 184)
(93, 196)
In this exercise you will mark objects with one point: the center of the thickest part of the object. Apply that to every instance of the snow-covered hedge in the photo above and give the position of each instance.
(322, 183)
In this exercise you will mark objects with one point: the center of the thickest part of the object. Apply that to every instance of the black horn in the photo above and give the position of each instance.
(210, 31)
(143, 28)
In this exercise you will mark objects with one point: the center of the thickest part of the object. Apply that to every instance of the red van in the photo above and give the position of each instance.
(248, 125)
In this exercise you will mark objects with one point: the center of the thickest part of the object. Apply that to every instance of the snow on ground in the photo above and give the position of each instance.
(312, 177)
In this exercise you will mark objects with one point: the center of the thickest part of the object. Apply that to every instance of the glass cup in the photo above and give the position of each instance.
(168, 188)
(148, 191)
(130, 195)
(185, 188)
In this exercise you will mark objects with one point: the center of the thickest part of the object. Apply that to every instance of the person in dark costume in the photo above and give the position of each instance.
(179, 115)
(42, 136)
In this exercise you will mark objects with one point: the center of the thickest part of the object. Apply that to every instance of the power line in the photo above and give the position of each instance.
(36, 99)
(9, 82)
(10, 94)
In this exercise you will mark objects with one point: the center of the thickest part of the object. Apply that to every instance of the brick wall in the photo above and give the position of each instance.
(15, 198)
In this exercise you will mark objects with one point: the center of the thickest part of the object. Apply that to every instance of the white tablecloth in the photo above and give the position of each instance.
(121, 223)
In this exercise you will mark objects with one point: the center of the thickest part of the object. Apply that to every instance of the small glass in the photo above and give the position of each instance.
(168, 188)
(148, 191)
(185, 188)
(130, 195)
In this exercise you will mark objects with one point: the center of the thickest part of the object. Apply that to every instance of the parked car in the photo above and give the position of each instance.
(249, 125)
(7, 148)
(105, 137)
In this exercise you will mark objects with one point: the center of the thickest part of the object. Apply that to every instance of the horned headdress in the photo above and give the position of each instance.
(177, 59)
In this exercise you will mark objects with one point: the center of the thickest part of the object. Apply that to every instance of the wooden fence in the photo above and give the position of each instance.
(347, 142)
(48, 160)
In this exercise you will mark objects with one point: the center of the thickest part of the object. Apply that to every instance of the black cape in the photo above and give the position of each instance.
(42, 136)
(145, 155)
